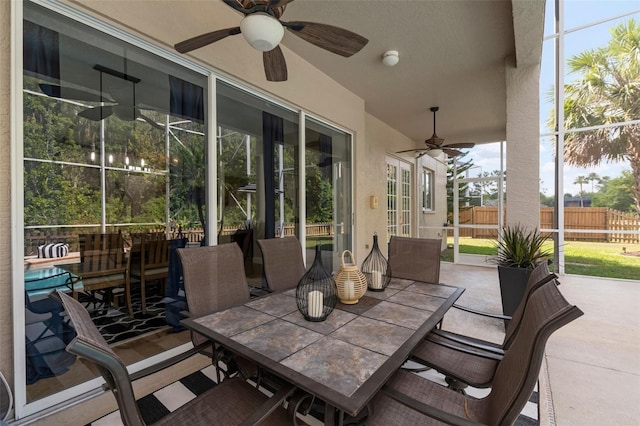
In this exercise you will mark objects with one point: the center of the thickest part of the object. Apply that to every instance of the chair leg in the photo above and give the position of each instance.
(143, 293)
(127, 290)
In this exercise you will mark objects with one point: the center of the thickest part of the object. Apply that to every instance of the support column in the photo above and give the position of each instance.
(523, 145)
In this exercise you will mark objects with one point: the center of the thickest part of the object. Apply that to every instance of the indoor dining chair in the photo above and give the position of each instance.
(103, 266)
(151, 266)
(282, 262)
(231, 402)
(408, 398)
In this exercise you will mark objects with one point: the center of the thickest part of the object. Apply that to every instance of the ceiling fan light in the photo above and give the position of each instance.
(262, 31)
(434, 152)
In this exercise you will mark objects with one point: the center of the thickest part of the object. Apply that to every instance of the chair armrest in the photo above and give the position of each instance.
(467, 340)
(484, 314)
(427, 410)
(169, 362)
(270, 405)
(469, 350)
(186, 314)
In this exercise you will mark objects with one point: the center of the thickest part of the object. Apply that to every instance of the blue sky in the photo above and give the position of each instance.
(577, 13)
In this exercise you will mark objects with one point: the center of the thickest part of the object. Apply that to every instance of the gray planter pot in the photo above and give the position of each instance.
(513, 282)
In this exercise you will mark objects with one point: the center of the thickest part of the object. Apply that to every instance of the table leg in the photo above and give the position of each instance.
(330, 413)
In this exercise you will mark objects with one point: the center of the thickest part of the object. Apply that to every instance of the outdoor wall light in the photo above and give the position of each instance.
(390, 58)
(262, 31)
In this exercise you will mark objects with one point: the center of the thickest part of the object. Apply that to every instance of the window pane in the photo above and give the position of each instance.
(328, 200)
(113, 142)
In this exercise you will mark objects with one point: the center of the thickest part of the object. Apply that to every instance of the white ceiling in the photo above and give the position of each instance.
(452, 53)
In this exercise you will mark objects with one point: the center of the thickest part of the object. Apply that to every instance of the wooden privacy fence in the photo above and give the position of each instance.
(577, 218)
(35, 238)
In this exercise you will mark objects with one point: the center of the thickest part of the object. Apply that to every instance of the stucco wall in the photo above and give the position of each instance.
(6, 357)
(381, 141)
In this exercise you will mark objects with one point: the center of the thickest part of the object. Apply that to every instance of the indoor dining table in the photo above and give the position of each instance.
(343, 360)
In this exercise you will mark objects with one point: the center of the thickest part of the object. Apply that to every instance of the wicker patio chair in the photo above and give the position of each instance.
(214, 280)
(282, 262)
(410, 399)
(415, 259)
(466, 360)
(231, 402)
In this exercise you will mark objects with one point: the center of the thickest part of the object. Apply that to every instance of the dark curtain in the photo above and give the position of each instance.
(187, 99)
(272, 134)
(41, 50)
(325, 160)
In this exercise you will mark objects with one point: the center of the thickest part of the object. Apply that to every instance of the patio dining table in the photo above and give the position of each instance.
(344, 360)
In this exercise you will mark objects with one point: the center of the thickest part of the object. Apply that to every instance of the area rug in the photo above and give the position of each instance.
(115, 325)
(160, 403)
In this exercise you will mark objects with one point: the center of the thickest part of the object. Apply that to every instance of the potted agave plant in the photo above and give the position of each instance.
(519, 251)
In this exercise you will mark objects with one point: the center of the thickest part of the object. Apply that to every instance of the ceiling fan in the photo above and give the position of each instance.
(264, 30)
(435, 144)
(126, 110)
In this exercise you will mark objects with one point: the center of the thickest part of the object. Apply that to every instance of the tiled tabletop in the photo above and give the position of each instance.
(343, 360)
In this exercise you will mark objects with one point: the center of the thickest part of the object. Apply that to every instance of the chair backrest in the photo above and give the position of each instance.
(102, 252)
(90, 344)
(155, 253)
(415, 259)
(517, 373)
(282, 262)
(539, 275)
(214, 279)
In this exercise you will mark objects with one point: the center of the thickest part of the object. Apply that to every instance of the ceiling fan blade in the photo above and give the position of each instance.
(275, 67)
(451, 152)
(96, 113)
(205, 39)
(151, 122)
(460, 145)
(126, 112)
(279, 3)
(334, 39)
(413, 150)
(64, 92)
(235, 4)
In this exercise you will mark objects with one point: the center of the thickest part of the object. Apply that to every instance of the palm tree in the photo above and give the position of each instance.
(593, 177)
(606, 92)
(581, 180)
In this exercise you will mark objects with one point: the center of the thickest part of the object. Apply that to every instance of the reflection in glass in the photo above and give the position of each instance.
(113, 142)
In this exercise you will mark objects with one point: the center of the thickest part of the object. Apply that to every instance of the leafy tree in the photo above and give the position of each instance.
(546, 200)
(607, 91)
(615, 193)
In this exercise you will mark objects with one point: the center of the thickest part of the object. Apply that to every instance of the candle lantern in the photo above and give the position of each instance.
(316, 293)
(376, 268)
(351, 283)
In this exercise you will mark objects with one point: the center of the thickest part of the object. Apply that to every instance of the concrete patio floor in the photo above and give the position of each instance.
(591, 371)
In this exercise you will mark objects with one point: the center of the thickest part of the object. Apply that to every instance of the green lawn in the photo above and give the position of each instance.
(582, 258)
